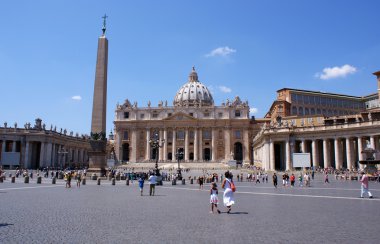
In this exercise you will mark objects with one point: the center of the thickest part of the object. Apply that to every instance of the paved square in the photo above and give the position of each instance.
(46, 213)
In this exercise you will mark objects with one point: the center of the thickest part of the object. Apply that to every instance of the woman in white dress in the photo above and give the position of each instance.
(228, 195)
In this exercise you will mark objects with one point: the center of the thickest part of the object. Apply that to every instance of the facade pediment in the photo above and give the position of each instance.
(179, 116)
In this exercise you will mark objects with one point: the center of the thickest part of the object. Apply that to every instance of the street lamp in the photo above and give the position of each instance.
(156, 143)
(62, 152)
(178, 155)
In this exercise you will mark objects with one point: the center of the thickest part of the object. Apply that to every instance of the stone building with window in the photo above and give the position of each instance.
(34, 147)
(333, 128)
(194, 127)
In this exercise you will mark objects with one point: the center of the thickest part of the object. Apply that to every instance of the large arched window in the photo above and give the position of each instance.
(294, 110)
(306, 111)
(300, 111)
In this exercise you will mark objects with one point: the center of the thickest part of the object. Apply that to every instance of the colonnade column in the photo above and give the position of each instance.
(213, 145)
(165, 154)
(271, 156)
(200, 144)
(338, 161)
(147, 152)
(174, 146)
(288, 165)
(196, 146)
(42, 154)
(186, 145)
(314, 148)
(360, 149)
(14, 146)
(49, 154)
(266, 155)
(53, 156)
(348, 153)
(227, 144)
(326, 157)
(3, 146)
(303, 146)
(26, 156)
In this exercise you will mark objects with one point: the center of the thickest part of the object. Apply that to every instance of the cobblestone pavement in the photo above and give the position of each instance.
(47, 213)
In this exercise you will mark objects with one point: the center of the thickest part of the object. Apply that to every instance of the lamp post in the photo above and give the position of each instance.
(156, 143)
(62, 152)
(178, 155)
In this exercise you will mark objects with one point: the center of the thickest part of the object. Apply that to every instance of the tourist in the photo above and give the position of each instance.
(214, 198)
(300, 179)
(274, 177)
(292, 180)
(364, 186)
(79, 178)
(284, 179)
(258, 176)
(326, 178)
(266, 177)
(200, 181)
(152, 184)
(141, 184)
(228, 195)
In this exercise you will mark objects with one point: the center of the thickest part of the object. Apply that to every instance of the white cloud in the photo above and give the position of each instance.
(253, 110)
(221, 51)
(336, 72)
(225, 89)
(77, 98)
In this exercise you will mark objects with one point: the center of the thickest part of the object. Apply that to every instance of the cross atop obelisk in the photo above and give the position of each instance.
(104, 24)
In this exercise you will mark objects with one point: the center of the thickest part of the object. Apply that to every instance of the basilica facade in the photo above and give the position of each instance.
(193, 129)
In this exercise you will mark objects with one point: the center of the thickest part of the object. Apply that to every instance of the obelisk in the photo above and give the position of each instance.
(98, 141)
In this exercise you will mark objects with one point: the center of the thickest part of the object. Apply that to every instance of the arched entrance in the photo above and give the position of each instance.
(125, 152)
(238, 152)
(207, 154)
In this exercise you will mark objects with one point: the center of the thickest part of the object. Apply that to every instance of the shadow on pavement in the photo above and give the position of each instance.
(238, 212)
(4, 224)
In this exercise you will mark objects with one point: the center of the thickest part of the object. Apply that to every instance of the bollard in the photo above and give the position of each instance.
(98, 181)
(84, 181)
(174, 182)
(26, 180)
(127, 182)
(13, 180)
(39, 180)
(53, 180)
(183, 182)
(191, 181)
(113, 181)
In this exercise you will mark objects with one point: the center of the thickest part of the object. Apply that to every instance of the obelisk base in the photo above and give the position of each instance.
(97, 158)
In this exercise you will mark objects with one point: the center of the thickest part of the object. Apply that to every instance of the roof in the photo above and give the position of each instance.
(321, 93)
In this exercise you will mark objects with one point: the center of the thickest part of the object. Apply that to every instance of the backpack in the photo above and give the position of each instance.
(232, 185)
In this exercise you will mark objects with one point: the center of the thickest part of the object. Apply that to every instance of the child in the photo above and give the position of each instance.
(214, 198)
(79, 178)
(141, 185)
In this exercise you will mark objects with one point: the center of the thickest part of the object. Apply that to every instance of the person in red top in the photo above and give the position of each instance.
(292, 180)
(364, 186)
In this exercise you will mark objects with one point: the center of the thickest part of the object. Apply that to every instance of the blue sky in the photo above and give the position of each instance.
(245, 48)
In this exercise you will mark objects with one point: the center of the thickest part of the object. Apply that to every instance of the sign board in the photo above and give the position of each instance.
(232, 163)
(301, 160)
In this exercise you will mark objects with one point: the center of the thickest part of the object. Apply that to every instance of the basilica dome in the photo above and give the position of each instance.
(193, 93)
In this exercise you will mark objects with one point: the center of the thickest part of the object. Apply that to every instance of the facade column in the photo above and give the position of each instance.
(372, 141)
(200, 144)
(187, 145)
(360, 149)
(133, 157)
(303, 146)
(246, 146)
(3, 146)
(165, 153)
(42, 154)
(288, 156)
(272, 165)
(213, 145)
(147, 152)
(174, 149)
(314, 148)
(326, 154)
(337, 149)
(196, 146)
(348, 153)
(227, 144)
(160, 149)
